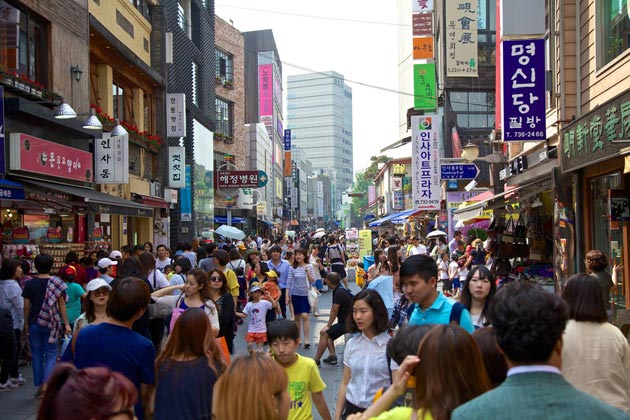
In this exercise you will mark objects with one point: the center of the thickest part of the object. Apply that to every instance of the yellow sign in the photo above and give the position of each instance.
(365, 243)
(399, 168)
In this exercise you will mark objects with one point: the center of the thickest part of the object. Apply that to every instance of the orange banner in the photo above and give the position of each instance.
(423, 48)
(287, 164)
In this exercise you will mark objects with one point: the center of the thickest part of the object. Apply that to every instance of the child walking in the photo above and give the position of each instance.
(257, 311)
(453, 274)
(305, 383)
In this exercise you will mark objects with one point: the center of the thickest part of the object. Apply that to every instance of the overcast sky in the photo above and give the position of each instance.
(361, 51)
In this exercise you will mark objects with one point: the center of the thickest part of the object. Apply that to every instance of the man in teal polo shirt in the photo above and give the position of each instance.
(418, 279)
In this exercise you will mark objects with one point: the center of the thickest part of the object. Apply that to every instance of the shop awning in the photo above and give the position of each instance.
(154, 202)
(223, 219)
(266, 223)
(95, 201)
(392, 216)
(10, 190)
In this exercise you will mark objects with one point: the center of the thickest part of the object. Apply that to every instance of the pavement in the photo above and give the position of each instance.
(20, 404)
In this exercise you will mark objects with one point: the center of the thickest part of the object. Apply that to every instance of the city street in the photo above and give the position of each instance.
(19, 404)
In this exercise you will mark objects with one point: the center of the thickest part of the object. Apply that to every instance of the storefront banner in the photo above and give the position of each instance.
(461, 38)
(523, 90)
(265, 90)
(176, 167)
(42, 157)
(365, 243)
(420, 6)
(454, 199)
(287, 140)
(424, 87)
(3, 168)
(176, 114)
(245, 199)
(160, 231)
(425, 160)
(185, 195)
(371, 194)
(261, 208)
(423, 48)
(422, 24)
(111, 159)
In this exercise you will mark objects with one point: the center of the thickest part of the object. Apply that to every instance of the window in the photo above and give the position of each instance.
(118, 94)
(224, 118)
(486, 32)
(224, 66)
(473, 109)
(614, 29)
(183, 16)
(143, 7)
(23, 43)
(195, 83)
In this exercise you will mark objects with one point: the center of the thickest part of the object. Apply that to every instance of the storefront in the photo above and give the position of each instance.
(595, 152)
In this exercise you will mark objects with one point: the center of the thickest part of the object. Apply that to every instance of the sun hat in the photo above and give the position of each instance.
(106, 262)
(96, 284)
(255, 287)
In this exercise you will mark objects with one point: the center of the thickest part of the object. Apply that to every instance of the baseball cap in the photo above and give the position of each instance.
(271, 274)
(106, 262)
(115, 254)
(97, 284)
(255, 287)
(68, 271)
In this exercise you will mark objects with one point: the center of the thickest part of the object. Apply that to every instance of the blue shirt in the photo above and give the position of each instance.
(118, 348)
(283, 269)
(440, 313)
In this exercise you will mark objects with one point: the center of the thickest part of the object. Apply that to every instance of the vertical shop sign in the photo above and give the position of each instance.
(111, 159)
(176, 114)
(420, 6)
(422, 24)
(265, 90)
(176, 167)
(287, 140)
(425, 134)
(523, 90)
(185, 198)
(423, 48)
(424, 88)
(461, 38)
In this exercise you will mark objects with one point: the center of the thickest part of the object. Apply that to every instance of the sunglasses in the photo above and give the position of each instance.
(216, 278)
(100, 292)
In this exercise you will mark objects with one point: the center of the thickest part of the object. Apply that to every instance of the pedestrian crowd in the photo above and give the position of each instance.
(132, 334)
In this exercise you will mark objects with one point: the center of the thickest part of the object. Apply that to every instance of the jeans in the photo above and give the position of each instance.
(283, 302)
(44, 353)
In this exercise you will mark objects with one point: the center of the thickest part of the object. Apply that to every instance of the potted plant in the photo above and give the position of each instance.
(218, 80)
(228, 84)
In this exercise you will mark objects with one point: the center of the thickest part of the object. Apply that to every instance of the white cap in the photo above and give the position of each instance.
(96, 284)
(115, 254)
(106, 262)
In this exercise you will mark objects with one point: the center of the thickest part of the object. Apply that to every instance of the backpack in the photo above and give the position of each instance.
(455, 317)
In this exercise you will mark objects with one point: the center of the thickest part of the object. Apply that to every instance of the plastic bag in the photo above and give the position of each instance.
(313, 296)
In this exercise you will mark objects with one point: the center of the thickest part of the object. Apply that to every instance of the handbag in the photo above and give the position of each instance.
(154, 311)
(508, 235)
(520, 230)
(501, 267)
(159, 309)
(313, 296)
(506, 250)
(521, 250)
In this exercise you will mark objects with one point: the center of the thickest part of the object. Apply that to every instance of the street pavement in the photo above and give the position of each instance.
(20, 404)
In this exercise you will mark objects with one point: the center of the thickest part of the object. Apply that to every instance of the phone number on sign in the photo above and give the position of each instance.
(525, 134)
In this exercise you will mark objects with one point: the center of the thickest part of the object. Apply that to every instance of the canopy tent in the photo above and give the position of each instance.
(396, 218)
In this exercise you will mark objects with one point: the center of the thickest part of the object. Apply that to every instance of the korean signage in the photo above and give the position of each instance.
(398, 200)
(32, 154)
(423, 48)
(420, 6)
(185, 198)
(589, 139)
(287, 140)
(459, 171)
(265, 90)
(111, 159)
(399, 169)
(422, 24)
(523, 90)
(176, 115)
(371, 194)
(461, 38)
(424, 87)
(425, 135)
(3, 169)
(176, 167)
(240, 179)
(261, 208)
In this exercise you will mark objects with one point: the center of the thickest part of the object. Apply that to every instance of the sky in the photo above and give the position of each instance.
(319, 36)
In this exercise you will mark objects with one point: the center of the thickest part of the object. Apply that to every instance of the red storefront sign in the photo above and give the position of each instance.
(237, 179)
(32, 154)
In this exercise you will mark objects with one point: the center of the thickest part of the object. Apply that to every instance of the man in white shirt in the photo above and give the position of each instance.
(452, 245)
(163, 258)
(417, 247)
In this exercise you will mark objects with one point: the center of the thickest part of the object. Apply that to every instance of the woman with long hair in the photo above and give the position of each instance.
(90, 393)
(595, 353)
(196, 294)
(182, 267)
(380, 266)
(222, 297)
(190, 356)
(394, 253)
(449, 371)
(365, 368)
(94, 305)
(477, 295)
(11, 299)
(301, 277)
(596, 265)
(262, 382)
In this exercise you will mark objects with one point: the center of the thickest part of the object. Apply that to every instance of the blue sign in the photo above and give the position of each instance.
(185, 198)
(263, 178)
(523, 89)
(3, 169)
(452, 185)
(459, 171)
(287, 140)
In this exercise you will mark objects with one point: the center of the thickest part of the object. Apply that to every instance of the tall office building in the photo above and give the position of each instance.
(319, 107)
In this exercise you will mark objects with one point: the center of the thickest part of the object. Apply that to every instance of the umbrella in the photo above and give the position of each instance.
(319, 234)
(320, 230)
(230, 232)
(435, 234)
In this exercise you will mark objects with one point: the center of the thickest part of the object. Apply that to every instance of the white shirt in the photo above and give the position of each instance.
(444, 273)
(11, 298)
(157, 279)
(368, 365)
(176, 280)
(453, 270)
(418, 250)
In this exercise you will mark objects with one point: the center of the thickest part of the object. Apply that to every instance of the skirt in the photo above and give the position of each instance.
(300, 304)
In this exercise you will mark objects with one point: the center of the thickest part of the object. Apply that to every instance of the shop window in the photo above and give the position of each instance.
(118, 94)
(23, 43)
(486, 29)
(614, 29)
(224, 117)
(473, 109)
(195, 83)
(224, 65)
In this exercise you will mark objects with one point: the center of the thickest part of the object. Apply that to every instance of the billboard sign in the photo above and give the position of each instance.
(461, 38)
(425, 135)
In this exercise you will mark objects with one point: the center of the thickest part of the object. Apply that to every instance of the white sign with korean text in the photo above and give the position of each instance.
(461, 38)
(176, 115)
(176, 167)
(111, 159)
(421, 6)
(425, 161)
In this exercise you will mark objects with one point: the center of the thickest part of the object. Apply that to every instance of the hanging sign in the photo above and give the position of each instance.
(176, 167)
(423, 48)
(176, 114)
(420, 6)
(461, 38)
(424, 87)
(523, 90)
(425, 135)
(111, 159)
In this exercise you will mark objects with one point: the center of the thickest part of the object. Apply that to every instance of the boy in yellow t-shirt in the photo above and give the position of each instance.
(305, 383)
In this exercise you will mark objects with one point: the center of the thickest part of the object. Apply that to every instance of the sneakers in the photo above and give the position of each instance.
(331, 360)
(318, 363)
(19, 381)
(7, 386)
(39, 394)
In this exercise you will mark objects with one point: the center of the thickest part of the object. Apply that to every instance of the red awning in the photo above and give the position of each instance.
(154, 202)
